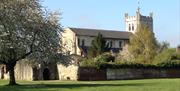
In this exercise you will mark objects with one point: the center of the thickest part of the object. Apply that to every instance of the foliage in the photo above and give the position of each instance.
(27, 30)
(168, 58)
(143, 45)
(97, 61)
(124, 55)
(90, 63)
(164, 56)
(162, 46)
(105, 57)
(98, 46)
(170, 64)
(102, 62)
(176, 56)
(104, 65)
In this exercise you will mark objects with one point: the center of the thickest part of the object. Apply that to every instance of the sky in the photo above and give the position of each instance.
(109, 14)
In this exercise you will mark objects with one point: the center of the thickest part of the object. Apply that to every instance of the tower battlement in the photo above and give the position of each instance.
(146, 17)
(132, 22)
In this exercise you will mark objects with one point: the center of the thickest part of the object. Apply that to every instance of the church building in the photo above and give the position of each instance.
(77, 41)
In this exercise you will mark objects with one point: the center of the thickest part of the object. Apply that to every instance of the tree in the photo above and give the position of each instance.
(163, 46)
(124, 55)
(98, 46)
(27, 30)
(165, 56)
(143, 45)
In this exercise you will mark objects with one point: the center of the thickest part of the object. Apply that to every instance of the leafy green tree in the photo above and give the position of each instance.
(98, 46)
(143, 45)
(26, 30)
(168, 58)
(165, 56)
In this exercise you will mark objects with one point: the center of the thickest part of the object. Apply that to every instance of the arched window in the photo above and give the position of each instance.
(132, 27)
(129, 27)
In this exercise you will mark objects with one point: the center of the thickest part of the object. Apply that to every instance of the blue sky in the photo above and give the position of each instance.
(109, 14)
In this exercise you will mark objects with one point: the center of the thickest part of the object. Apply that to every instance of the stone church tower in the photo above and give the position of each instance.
(131, 22)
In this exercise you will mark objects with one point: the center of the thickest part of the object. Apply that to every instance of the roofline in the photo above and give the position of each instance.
(103, 37)
(98, 29)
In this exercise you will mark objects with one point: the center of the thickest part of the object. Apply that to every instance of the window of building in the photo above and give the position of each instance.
(111, 43)
(132, 27)
(120, 44)
(83, 42)
(78, 42)
(129, 27)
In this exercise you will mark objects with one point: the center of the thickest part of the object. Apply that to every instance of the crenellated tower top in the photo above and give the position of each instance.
(131, 22)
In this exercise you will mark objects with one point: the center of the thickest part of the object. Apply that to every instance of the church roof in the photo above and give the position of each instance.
(105, 33)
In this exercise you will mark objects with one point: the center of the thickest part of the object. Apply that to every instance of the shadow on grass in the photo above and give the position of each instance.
(68, 86)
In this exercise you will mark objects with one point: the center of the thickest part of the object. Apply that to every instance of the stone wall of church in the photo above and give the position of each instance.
(46, 72)
(68, 42)
(23, 71)
(3, 74)
(67, 72)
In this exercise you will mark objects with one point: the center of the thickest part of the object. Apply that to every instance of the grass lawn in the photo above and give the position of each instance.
(119, 85)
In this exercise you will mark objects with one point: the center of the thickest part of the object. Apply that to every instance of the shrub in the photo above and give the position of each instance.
(91, 63)
(170, 64)
(175, 56)
(106, 57)
(97, 61)
(167, 59)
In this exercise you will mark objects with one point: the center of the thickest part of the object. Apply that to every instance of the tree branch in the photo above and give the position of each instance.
(3, 62)
(24, 56)
(31, 49)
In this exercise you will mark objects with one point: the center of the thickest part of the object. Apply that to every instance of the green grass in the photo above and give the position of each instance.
(119, 85)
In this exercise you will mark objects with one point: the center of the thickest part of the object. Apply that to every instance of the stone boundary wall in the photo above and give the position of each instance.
(74, 72)
(23, 71)
(126, 73)
(114, 74)
(90, 74)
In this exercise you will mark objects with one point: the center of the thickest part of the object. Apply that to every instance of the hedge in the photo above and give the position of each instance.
(104, 65)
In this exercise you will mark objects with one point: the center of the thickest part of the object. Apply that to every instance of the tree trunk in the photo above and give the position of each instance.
(12, 80)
